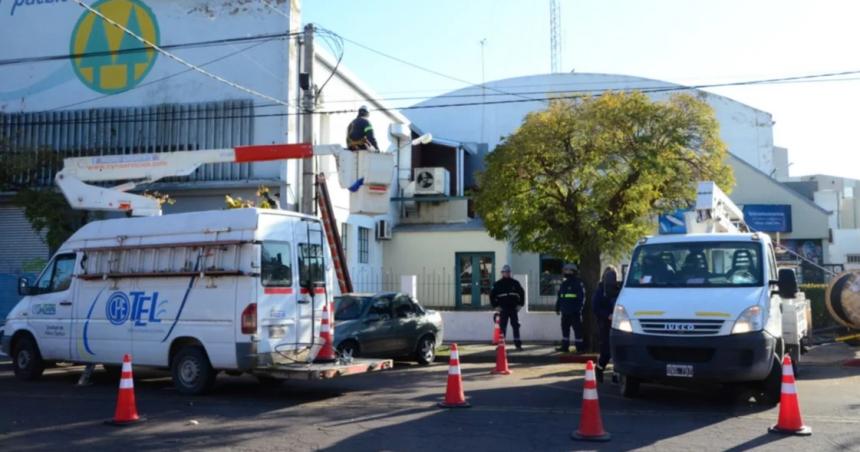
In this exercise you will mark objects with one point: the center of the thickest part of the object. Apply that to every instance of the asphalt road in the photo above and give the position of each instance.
(534, 409)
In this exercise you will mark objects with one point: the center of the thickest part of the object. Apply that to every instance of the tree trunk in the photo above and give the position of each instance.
(590, 273)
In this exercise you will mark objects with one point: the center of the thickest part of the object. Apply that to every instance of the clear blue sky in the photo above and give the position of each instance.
(690, 42)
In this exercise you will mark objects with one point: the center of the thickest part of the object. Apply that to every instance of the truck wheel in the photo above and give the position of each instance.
(26, 360)
(192, 372)
(426, 352)
(629, 386)
(772, 385)
(794, 352)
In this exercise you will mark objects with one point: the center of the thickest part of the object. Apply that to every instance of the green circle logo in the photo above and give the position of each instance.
(107, 63)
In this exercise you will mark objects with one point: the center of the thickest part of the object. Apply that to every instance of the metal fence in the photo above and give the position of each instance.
(134, 130)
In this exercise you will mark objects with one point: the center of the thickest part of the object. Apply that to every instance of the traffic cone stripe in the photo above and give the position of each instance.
(324, 328)
(589, 394)
(126, 383)
(589, 375)
(454, 370)
(787, 371)
(126, 367)
(789, 388)
(455, 355)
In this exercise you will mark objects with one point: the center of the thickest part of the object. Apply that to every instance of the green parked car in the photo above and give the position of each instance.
(386, 325)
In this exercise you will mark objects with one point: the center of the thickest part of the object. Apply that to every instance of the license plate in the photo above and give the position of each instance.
(679, 370)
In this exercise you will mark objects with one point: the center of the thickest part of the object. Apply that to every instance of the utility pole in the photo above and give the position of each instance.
(306, 82)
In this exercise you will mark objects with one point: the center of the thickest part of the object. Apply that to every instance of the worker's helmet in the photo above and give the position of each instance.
(569, 268)
(363, 111)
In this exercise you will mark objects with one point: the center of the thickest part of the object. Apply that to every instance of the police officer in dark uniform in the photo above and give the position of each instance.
(508, 296)
(604, 305)
(359, 133)
(571, 297)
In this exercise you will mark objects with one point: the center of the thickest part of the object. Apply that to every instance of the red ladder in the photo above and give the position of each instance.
(333, 236)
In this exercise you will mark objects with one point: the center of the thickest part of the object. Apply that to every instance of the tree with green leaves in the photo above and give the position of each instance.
(584, 179)
(26, 172)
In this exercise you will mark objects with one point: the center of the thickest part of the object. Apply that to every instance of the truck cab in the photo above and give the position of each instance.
(708, 306)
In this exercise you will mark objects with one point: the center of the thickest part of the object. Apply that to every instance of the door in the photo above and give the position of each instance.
(312, 283)
(475, 273)
(51, 308)
(406, 326)
(377, 335)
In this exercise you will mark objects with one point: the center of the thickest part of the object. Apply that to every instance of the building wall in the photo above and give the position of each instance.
(431, 256)
(754, 187)
(748, 132)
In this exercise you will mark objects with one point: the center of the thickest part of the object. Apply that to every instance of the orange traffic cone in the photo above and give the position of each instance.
(126, 409)
(326, 336)
(501, 360)
(789, 422)
(590, 424)
(497, 332)
(454, 396)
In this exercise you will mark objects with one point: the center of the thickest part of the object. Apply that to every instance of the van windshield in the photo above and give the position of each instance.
(697, 264)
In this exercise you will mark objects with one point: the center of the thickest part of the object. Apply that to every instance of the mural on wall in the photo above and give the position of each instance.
(112, 65)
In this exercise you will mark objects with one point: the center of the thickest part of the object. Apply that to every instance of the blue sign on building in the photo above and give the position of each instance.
(768, 217)
(673, 223)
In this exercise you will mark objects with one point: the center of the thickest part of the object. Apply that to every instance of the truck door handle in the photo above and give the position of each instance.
(65, 303)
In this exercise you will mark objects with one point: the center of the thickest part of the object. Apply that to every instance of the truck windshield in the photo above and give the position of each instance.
(697, 264)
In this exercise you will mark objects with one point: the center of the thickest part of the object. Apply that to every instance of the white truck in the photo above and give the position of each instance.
(239, 290)
(708, 305)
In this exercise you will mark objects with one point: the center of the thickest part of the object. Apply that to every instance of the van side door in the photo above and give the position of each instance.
(52, 298)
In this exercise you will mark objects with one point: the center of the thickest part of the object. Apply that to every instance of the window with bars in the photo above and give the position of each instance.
(344, 239)
(363, 245)
(853, 258)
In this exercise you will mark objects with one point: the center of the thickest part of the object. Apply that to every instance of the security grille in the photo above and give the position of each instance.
(681, 327)
(136, 130)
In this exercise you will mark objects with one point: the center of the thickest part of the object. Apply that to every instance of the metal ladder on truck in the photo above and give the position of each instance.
(332, 234)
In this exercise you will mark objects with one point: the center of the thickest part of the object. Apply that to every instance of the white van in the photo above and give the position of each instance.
(711, 307)
(235, 290)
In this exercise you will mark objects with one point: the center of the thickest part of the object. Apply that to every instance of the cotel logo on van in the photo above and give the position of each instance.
(138, 307)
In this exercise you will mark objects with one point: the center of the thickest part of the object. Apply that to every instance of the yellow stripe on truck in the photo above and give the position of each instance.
(641, 313)
(713, 314)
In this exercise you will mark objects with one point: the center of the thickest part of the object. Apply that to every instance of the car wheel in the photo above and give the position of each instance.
(629, 386)
(348, 348)
(426, 352)
(192, 372)
(26, 360)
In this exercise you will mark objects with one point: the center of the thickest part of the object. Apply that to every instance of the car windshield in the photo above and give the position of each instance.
(349, 307)
(697, 264)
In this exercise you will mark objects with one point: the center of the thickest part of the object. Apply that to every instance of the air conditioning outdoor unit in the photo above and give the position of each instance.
(432, 181)
(383, 230)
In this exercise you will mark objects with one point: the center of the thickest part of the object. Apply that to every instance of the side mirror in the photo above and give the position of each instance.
(787, 283)
(24, 287)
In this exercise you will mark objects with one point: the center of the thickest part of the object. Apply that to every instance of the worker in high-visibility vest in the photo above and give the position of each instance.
(571, 298)
(359, 134)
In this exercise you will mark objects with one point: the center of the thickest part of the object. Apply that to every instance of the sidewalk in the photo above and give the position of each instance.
(532, 353)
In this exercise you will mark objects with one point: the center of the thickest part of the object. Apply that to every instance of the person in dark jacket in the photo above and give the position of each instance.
(359, 133)
(571, 296)
(508, 297)
(604, 305)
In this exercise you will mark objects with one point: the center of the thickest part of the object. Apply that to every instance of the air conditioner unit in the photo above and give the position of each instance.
(432, 181)
(383, 230)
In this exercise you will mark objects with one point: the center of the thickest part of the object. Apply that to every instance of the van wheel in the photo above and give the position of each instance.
(426, 352)
(192, 372)
(629, 386)
(772, 385)
(26, 360)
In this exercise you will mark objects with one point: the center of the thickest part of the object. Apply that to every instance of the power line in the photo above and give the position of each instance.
(180, 60)
(419, 67)
(196, 44)
(562, 95)
(159, 80)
